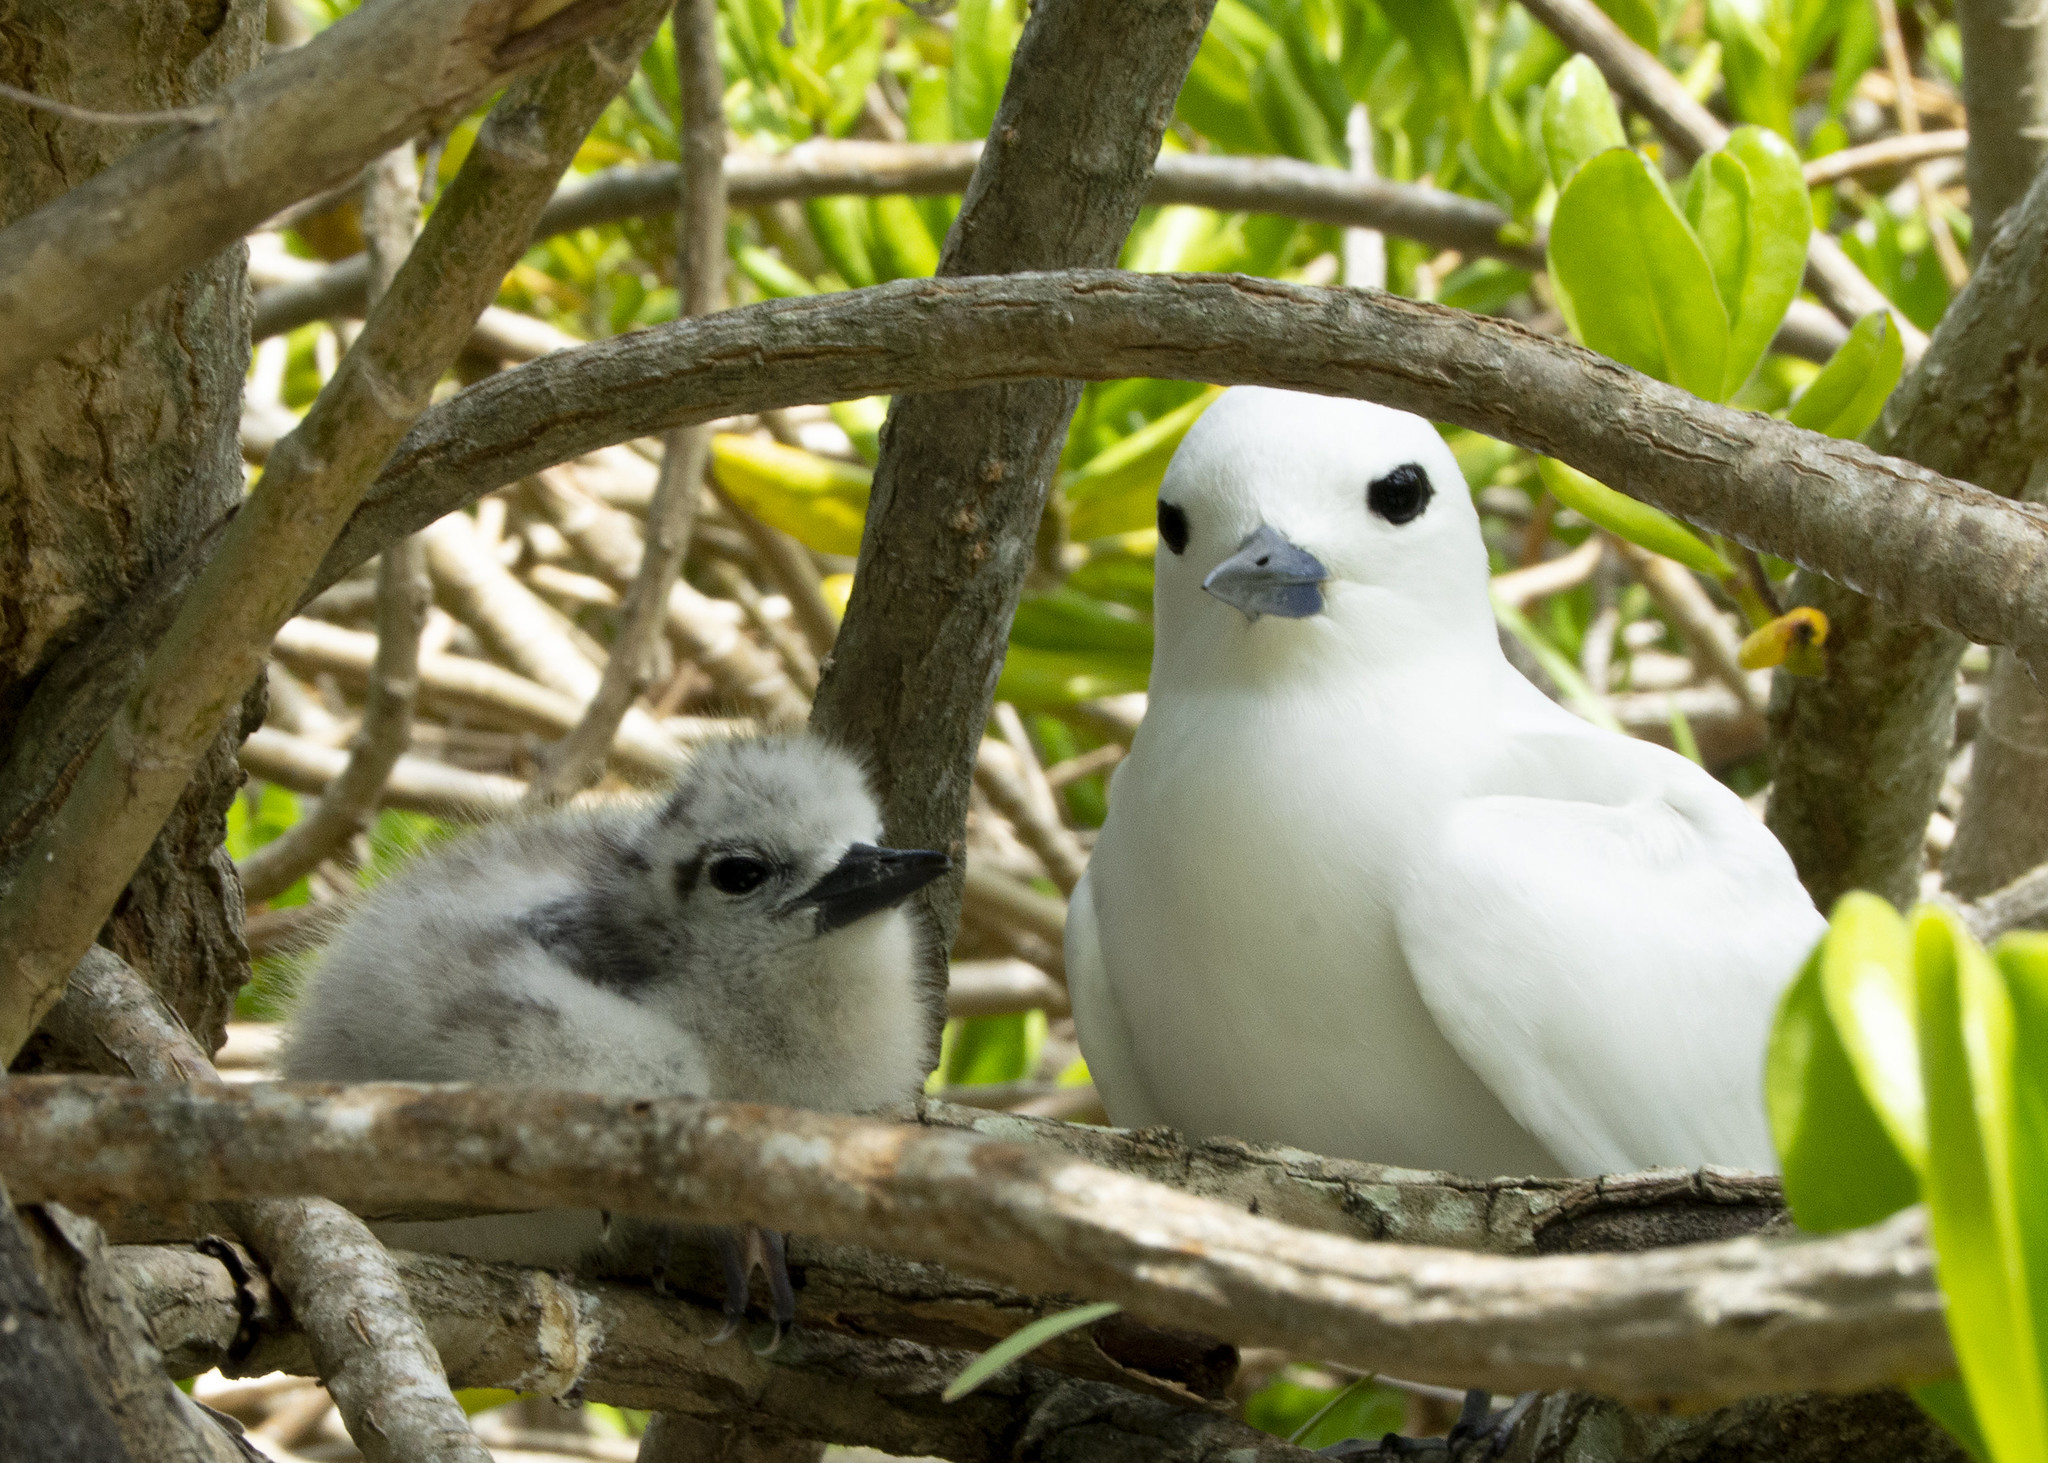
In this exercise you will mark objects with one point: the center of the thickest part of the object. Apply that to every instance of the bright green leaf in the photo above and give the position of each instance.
(1637, 19)
(1289, 111)
(1579, 119)
(1966, 1050)
(1841, 1168)
(1717, 207)
(1948, 1403)
(984, 35)
(840, 225)
(903, 246)
(1780, 220)
(1867, 977)
(2022, 960)
(1639, 523)
(1630, 277)
(1020, 1343)
(1851, 390)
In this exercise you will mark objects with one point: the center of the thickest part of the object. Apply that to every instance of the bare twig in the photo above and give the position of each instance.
(1693, 1324)
(471, 685)
(390, 218)
(304, 121)
(1014, 782)
(196, 676)
(1896, 61)
(1887, 152)
(191, 116)
(795, 574)
(1692, 130)
(1692, 613)
(998, 987)
(1523, 587)
(579, 759)
(415, 783)
(2020, 905)
(371, 1350)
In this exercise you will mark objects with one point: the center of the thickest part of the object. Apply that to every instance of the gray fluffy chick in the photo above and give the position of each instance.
(742, 938)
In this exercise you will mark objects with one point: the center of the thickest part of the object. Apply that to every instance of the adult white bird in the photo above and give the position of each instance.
(741, 938)
(1364, 889)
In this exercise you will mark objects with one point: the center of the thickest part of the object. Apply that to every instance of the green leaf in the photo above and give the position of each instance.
(1851, 390)
(1867, 975)
(1579, 119)
(840, 225)
(1630, 277)
(1948, 1403)
(2022, 960)
(1436, 35)
(1761, 87)
(1289, 111)
(1638, 522)
(1966, 1024)
(1637, 19)
(903, 246)
(982, 1050)
(1022, 1342)
(1842, 1169)
(1717, 207)
(1114, 491)
(1779, 221)
(984, 36)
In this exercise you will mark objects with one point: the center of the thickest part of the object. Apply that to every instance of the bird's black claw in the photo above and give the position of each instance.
(740, 1252)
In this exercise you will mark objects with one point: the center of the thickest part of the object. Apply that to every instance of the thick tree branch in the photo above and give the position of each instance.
(1862, 749)
(500, 1327)
(81, 859)
(390, 211)
(370, 1348)
(1697, 1324)
(305, 121)
(1691, 129)
(1933, 548)
(2002, 828)
(963, 474)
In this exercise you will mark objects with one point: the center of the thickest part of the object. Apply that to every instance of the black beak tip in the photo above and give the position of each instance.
(868, 880)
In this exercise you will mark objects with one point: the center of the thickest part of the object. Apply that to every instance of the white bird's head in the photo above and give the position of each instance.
(765, 850)
(1290, 524)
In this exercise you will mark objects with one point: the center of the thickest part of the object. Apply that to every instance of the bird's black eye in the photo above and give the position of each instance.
(738, 874)
(1401, 495)
(1173, 527)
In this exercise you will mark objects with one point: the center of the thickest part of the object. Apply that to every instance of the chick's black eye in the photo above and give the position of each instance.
(1173, 527)
(737, 874)
(1401, 495)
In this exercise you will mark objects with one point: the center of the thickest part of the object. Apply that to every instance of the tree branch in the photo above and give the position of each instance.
(81, 859)
(390, 211)
(1932, 547)
(1695, 1324)
(963, 474)
(370, 1348)
(1862, 749)
(304, 121)
(538, 1332)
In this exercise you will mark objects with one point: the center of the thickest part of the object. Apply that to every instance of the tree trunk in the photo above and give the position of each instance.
(123, 449)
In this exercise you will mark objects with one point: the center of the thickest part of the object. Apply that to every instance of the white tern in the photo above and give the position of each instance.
(741, 938)
(1364, 889)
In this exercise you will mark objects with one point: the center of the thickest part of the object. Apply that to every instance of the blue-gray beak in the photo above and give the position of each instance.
(1270, 576)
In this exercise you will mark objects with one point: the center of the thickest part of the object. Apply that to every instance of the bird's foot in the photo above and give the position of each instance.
(1479, 1423)
(1393, 1445)
(740, 1252)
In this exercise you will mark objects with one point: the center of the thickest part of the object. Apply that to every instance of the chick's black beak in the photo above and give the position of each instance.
(1270, 576)
(868, 880)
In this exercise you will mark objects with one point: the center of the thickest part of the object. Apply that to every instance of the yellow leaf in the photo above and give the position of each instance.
(819, 502)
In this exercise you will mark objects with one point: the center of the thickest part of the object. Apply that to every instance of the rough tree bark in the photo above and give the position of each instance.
(124, 449)
(1860, 750)
(963, 475)
(2003, 828)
